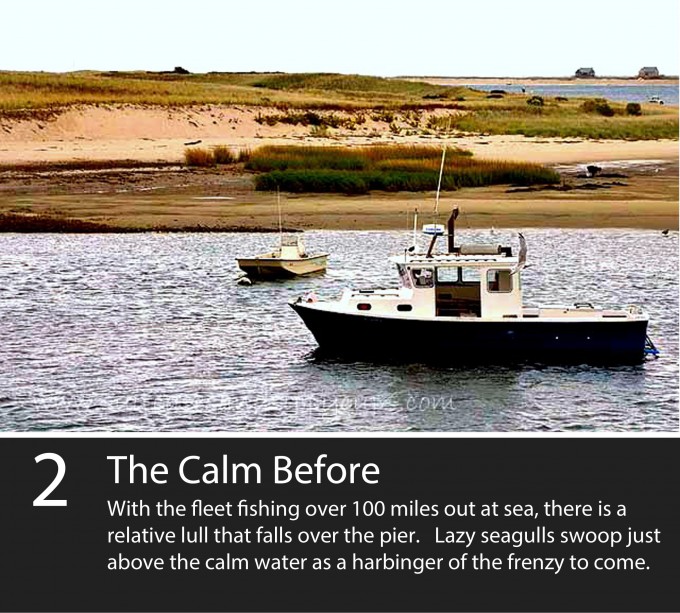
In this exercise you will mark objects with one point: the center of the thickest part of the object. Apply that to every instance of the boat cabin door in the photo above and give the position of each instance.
(501, 293)
(458, 292)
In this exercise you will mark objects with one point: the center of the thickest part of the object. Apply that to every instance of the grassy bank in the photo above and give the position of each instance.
(334, 103)
(25, 91)
(565, 118)
(386, 168)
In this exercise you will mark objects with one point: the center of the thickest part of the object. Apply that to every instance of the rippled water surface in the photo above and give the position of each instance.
(621, 93)
(149, 332)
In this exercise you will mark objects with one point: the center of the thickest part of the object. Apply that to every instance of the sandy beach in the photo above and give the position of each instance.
(147, 196)
(161, 135)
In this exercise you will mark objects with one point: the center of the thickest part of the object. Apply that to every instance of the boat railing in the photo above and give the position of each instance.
(376, 292)
(455, 258)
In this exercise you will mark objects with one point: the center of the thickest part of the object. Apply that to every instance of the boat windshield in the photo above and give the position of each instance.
(457, 275)
(404, 276)
(422, 277)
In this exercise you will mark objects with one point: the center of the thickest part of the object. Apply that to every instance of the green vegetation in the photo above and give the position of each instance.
(329, 82)
(266, 159)
(389, 168)
(572, 119)
(536, 101)
(310, 118)
(199, 156)
(38, 90)
(223, 155)
(598, 105)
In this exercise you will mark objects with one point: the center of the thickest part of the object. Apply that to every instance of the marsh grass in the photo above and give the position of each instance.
(574, 118)
(199, 157)
(593, 126)
(284, 157)
(223, 155)
(387, 168)
(220, 154)
(244, 155)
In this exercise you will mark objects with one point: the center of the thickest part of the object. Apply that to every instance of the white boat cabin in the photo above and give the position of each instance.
(474, 281)
(290, 248)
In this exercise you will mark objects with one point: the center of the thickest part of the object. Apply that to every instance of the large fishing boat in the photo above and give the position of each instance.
(466, 304)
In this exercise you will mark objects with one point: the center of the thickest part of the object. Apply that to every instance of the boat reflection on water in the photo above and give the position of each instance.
(467, 397)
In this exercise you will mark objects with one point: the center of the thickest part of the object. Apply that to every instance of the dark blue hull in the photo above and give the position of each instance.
(619, 341)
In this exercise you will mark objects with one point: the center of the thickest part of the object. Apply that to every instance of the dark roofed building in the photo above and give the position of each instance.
(649, 72)
(585, 73)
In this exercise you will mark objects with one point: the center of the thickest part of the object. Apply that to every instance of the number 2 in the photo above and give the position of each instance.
(42, 501)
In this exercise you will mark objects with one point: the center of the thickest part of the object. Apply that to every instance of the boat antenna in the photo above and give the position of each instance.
(441, 173)
(415, 229)
(278, 202)
(439, 183)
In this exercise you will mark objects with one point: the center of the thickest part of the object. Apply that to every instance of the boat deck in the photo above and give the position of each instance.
(579, 312)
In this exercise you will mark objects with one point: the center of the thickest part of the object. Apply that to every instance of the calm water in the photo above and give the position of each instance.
(149, 332)
(621, 93)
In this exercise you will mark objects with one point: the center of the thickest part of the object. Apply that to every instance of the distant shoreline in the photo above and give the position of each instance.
(434, 80)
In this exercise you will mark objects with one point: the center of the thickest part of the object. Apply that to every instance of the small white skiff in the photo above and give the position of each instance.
(289, 259)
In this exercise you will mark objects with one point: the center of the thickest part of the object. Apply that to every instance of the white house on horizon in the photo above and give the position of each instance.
(588, 73)
(649, 72)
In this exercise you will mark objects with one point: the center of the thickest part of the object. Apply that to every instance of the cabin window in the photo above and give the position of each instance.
(364, 306)
(403, 275)
(470, 275)
(404, 307)
(422, 277)
(499, 281)
(448, 274)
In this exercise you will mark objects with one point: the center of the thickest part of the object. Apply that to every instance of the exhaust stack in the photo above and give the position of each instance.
(451, 228)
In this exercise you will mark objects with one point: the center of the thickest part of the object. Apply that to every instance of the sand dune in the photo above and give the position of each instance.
(156, 134)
